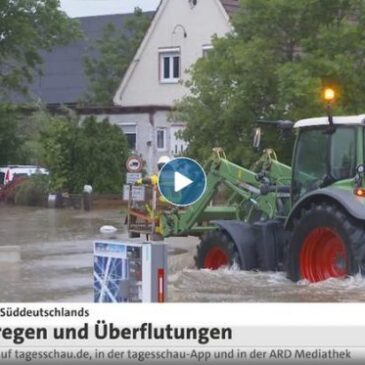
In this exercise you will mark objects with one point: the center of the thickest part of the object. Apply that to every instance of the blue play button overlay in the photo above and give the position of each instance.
(182, 181)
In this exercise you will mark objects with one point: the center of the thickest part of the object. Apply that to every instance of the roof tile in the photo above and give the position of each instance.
(63, 80)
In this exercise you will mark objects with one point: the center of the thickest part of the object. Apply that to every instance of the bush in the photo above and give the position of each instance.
(32, 191)
(90, 152)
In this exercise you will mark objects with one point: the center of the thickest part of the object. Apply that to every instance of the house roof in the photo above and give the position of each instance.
(231, 6)
(64, 80)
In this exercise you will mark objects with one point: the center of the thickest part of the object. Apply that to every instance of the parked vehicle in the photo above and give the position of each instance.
(8, 173)
(12, 175)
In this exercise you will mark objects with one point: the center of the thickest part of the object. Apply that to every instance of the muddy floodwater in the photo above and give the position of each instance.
(47, 256)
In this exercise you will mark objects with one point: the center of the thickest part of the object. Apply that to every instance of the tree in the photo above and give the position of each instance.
(103, 150)
(111, 56)
(27, 28)
(20, 134)
(90, 152)
(60, 153)
(30, 129)
(274, 66)
(10, 141)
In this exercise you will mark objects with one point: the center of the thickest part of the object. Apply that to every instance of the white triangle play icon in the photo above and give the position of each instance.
(181, 182)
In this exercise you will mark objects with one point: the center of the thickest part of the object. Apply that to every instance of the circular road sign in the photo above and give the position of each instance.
(134, 164)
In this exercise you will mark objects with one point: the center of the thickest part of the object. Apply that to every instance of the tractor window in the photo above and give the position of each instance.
(342, 162)
(310, 163)
(323, 158)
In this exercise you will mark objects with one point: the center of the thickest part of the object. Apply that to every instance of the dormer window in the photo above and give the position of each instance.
(170, 65)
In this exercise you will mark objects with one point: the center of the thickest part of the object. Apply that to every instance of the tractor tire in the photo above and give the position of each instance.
(326, 242)
(217, 249)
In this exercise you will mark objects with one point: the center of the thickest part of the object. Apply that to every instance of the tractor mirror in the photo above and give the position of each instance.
(359, 175)
(256, 138)
(360, 169)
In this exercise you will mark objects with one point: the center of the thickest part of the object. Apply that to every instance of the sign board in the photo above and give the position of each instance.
(126, 189)
(129, 272)
(132, 177)
(134, 164)
(138, 193)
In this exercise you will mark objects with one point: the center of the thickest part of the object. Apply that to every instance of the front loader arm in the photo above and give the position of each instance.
(221, 171)
(243, 182)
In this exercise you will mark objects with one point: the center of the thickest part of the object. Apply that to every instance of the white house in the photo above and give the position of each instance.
(180, 33)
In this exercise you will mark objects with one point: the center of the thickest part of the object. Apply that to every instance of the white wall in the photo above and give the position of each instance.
(146, 133)
(200, 22)
(141, 85)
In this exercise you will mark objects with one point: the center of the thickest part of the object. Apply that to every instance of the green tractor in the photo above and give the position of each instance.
(308, 219)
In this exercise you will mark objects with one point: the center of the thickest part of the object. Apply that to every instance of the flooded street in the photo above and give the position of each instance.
(56, 259)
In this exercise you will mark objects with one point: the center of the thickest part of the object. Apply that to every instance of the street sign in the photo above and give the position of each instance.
(126, 189)
(138, 193)
(132, 177)
(134, 164)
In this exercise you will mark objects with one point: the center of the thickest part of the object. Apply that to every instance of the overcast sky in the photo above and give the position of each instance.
(78, 8)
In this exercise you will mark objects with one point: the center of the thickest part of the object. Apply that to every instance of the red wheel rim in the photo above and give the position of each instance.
(323, 256)
(216, 258)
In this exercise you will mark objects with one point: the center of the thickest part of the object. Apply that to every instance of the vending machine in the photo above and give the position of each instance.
(129, 272)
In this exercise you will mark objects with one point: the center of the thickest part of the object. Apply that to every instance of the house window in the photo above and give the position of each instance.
(161, 139)
(130, 131)
(170, 65)
(132, 140)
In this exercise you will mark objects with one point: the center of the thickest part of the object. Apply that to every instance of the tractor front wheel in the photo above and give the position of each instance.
(326, 243)
(216, 250)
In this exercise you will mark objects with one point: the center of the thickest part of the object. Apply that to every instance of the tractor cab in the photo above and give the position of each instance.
(326, 154)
